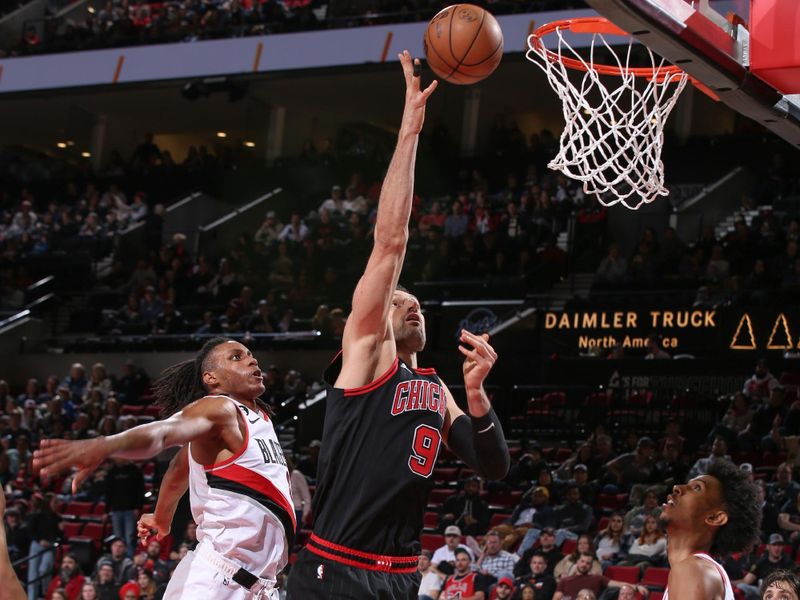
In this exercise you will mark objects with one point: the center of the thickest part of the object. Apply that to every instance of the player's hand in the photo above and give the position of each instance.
(479, 360)
(414, 113)
(57, 456)
(148, 524)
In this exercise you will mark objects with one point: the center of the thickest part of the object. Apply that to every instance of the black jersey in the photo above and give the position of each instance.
(380, 443)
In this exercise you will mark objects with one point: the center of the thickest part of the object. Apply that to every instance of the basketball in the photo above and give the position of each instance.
(463, 44)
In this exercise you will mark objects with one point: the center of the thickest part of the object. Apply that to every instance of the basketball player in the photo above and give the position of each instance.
(11, 588)
(714, 513)
(386, 417)
(232, 464)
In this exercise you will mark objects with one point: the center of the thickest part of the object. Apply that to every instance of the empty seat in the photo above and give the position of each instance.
(431, 541)
(655, 577)
(626, 574)
(79, 509)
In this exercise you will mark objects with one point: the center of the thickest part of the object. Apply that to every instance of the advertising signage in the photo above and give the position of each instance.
(698, 331)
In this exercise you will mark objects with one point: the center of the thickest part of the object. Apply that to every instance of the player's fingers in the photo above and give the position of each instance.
(79, 478)
(429, 90)
(405, 61)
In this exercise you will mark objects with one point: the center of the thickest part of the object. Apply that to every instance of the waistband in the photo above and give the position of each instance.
(233, 570)
(359, 559)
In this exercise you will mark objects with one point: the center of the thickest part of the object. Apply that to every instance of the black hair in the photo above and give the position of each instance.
(461, 550)
(789, 578)
(740, 503)
(182, 383)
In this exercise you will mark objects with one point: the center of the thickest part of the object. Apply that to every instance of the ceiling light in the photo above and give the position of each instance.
(85, 154)
(221, 134)
(61, 145)
(91, 10)
(250, 144)
(70, 143)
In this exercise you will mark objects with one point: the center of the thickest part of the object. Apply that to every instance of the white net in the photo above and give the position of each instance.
(613, 137)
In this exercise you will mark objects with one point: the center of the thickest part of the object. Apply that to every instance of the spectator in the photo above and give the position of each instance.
(627, 592)
(466, 510)
(147, 585)
(633, 467)
(464, 583)
(573, 517)
(493, 560)
(650, 548)
(781, 585)
(69, 578)
(761, 383)
(431, 584)
(612, 541)
(634, 519)
(613, 269)
(504, 590)
(89, 591)
(130, 591)
(533, 510)
(537, 577)
(566, 565)
(76, 382)
(169, 321)
(764, 419)
(296, 231)
(300, 493)
(571, 585)
(719, 449)
(270, 229)
(772, 560)
(789, 519)
(653, 345)
(122, 566)
(447, 554)
(44, 528)
(547, 549)
(309, 464)
(107, 589)
(132, 383)
(455, 225)
(124, 497)
(335, 205)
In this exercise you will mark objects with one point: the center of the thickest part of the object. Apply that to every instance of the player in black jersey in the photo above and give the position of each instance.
(386, 417)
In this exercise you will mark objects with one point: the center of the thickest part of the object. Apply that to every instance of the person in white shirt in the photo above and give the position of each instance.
(335, 204)
(452, 541)
(431, 584)
(301, 495)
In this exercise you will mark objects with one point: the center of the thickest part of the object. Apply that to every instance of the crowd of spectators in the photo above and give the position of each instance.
(559, 528)
(124, 23)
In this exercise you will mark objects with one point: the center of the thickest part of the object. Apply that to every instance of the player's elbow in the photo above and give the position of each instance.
(391, 239)
(495, 469)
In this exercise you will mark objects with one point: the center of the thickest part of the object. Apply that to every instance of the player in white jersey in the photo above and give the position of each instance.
(714, 513)
(231, 462)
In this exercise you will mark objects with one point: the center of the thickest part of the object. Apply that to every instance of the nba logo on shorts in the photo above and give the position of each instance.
(320, 572)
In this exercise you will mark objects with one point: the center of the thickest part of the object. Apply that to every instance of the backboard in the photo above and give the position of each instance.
(711, 41)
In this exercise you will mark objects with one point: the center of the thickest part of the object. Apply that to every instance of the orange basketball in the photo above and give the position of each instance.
(463, 44)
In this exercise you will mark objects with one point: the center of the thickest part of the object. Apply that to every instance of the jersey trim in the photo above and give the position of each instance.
(237, 479)
(241, 450)
(358, 391)
(361, 560)
(425, 371)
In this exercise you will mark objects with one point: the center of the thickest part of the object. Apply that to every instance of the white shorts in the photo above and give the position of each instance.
(195, 579)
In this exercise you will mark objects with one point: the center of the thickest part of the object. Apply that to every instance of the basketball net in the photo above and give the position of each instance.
(614, 132)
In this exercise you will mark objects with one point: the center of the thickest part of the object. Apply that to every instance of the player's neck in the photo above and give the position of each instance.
(681, 546)
(408, 357)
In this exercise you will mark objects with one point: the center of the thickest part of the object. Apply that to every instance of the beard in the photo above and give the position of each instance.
(410, 336)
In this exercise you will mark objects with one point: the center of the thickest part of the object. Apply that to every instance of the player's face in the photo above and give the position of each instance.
(779, 590)
(408, 322)
(234, 370)
(462, 562)
(698, 501)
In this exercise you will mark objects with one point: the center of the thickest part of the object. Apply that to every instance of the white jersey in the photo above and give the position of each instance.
(726, 582)
(239, 503)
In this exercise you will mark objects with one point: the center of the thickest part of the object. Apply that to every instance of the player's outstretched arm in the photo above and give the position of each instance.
(368, 323)
(477, 438)
(173, 487)
(10, 587)
(210, 416)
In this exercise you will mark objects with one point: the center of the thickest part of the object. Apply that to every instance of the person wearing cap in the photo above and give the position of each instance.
(69, 577)
(446, 554)
(571, 585)
(130, 591)
(431, 584)
(633, 467)
(10, 587)
(748, 468)
(467, 509)
(533, 510)
(122, 567)
(504, 589)
(781, 585)
(270, 229)
(547, 548)
(538, 577)
(587, 489)
(772, 560)
(335, 205)
(107, 588)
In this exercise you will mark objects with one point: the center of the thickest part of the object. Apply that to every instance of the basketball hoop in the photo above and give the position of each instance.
(614, 135)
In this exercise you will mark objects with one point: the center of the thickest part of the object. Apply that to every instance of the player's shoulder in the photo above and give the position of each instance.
(213, 406)
(697, 569)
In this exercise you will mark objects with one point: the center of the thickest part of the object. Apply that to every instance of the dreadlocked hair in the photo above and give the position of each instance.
(182, 383)
(741, 504)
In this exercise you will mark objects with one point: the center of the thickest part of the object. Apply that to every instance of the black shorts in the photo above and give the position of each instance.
(313, 577)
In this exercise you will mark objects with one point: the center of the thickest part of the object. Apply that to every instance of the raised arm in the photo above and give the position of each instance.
(477, 438)
(212, 419)
(173, 487)
(368, 324)
(11, 588)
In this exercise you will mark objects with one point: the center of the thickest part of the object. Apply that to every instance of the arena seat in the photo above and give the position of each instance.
(71, 529)
(431, 541)
(626, 574)
(498, 519)
(430, 520)
(79, 509)
(569, 546)
(439, 495)
(655, 577)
